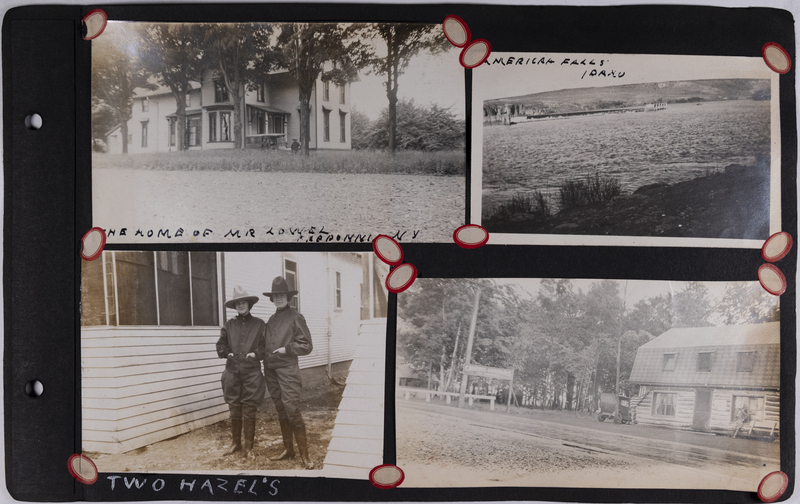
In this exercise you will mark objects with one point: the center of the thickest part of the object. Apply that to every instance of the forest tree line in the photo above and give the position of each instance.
(561, 343)
(146, 55)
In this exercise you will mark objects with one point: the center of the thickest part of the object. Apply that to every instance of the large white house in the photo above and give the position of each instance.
(150, 321)
(271, 116)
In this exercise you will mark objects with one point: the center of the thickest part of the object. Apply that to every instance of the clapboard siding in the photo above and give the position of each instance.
(145, 370)
(215, 366)
(98, 408)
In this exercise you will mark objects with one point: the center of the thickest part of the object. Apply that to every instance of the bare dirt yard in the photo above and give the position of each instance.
(278, 207)
(202, 449)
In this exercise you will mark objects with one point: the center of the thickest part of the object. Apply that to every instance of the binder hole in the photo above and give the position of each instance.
(33, 122)
(34, 388)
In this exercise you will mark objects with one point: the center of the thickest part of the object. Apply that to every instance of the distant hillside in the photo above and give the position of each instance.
(629, 95)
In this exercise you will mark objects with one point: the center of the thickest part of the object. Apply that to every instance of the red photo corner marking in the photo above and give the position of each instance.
(82, 469)
(470, 236)
(456, 30)
(92, 244)
(776, 58)
(772, 279)
(387, 250)
(475, 53)
(94, 22)
(773, 486)
(386, 476)
(401, 278)
(777, 246)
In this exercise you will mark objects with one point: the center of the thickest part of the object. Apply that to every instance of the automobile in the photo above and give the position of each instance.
(608, 405)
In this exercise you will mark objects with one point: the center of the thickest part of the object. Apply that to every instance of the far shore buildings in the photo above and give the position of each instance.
(271, 116)
(697, 377)
(150, 321)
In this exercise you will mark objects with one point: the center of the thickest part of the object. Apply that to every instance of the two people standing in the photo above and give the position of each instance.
(245, 341)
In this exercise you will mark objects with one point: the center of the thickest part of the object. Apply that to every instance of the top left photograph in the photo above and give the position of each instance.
(277, 132)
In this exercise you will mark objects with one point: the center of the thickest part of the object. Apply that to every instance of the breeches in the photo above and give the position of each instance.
(285, 387)
(243, 392)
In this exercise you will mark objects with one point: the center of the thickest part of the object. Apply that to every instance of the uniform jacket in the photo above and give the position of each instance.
(286, 328)
(240, 336)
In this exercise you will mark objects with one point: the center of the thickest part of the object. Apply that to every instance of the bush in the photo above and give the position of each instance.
(530, 205)
(591, 190)
(421, 128)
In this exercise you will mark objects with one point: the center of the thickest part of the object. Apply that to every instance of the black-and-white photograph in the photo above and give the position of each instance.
(617, 145)
(271, 132)
(233, 362)
(587, 383)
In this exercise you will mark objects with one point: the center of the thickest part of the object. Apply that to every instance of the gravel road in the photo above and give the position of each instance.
(150, 200)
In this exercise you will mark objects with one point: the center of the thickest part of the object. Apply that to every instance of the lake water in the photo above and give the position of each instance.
(679, 143)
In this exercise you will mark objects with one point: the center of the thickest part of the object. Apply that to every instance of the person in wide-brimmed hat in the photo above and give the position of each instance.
(242, 343)
(287, 338)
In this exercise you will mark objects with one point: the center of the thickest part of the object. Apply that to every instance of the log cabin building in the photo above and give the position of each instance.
(697, 377)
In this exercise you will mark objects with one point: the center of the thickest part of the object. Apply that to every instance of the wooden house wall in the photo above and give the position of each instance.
(721, 404)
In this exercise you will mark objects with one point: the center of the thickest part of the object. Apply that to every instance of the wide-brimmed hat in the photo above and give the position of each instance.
(280, 286)
(239, 294)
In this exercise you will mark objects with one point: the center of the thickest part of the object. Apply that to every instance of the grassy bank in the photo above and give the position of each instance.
(253, 160)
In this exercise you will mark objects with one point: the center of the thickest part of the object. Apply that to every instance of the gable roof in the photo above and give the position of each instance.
(724, 344)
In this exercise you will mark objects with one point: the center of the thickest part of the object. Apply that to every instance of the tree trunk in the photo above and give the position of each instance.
(123, 128)
(180, 120)
(305, 123)
(570, 386)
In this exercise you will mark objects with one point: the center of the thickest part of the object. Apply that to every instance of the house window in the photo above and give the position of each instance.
(669, 361)
(225, 126)
(212, 126)
(704, 361)
(338, 290)
(172, 126)
(220, 91)
(326, 90)
(188, 99)
(664, 404)
(290, 274)
(746, 361)
(326, 125)
(276, 122)
(755, 406)
(341, 93)
(257, 121)
(151, 288)
(195, 130)
(260, 93)
(144, 133)
(145, 104)
(342, 127)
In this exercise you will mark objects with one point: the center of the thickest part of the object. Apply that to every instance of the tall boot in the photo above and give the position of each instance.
(236, 431)
(299, 428)
(249, 435)
(288, 447)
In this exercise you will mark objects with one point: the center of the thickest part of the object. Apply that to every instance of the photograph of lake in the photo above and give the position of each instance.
(676, 158)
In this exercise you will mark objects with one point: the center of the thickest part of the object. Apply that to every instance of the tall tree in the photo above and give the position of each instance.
(308, 52)
(691, 306)
(116, 72)
(748, 303)
(173, 55)
(402, 41)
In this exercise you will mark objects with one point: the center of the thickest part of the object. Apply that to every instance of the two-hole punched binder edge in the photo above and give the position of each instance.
(48, 187)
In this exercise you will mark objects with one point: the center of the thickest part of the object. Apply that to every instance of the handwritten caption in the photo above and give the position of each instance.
(310, 234)
(593, 67)
(258, 486)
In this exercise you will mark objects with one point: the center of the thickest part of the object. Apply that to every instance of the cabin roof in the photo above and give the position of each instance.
(745, 334)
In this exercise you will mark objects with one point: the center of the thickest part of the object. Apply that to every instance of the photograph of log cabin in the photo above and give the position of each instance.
(151, 394)
(365, 121)
(698, 377)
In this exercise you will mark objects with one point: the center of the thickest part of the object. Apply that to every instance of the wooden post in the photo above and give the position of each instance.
(472, 325)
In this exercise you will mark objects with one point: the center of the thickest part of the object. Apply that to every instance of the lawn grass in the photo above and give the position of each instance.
(256, 160)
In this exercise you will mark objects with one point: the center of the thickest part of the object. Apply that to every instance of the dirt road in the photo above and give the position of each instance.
(443, 446)
(342, 204)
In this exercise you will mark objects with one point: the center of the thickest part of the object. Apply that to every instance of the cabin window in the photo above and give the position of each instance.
(290, 274)
(151, 289)
(220, 91)
(746, 361)
(704, 361)
(338, 290)
(669, 361)
(144, 133)
(326, 90)
(664, 404)
(342, 127)
(755, 406)
(145, 105)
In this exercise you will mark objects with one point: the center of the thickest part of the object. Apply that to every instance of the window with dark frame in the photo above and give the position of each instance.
(745, 362)
(151, 289)
(668, 363)
(172, 127)
(225, 126)
(663, 404)
(195, 132)
(212, 126)
(326, 90)
(260, 93)
(290, 274)
(220, 91)
(326, 125)
(145, 104)
(704, 361)
(341, 93)
(144, 133)
(342, 127)
(188, 99)
(338, 290)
